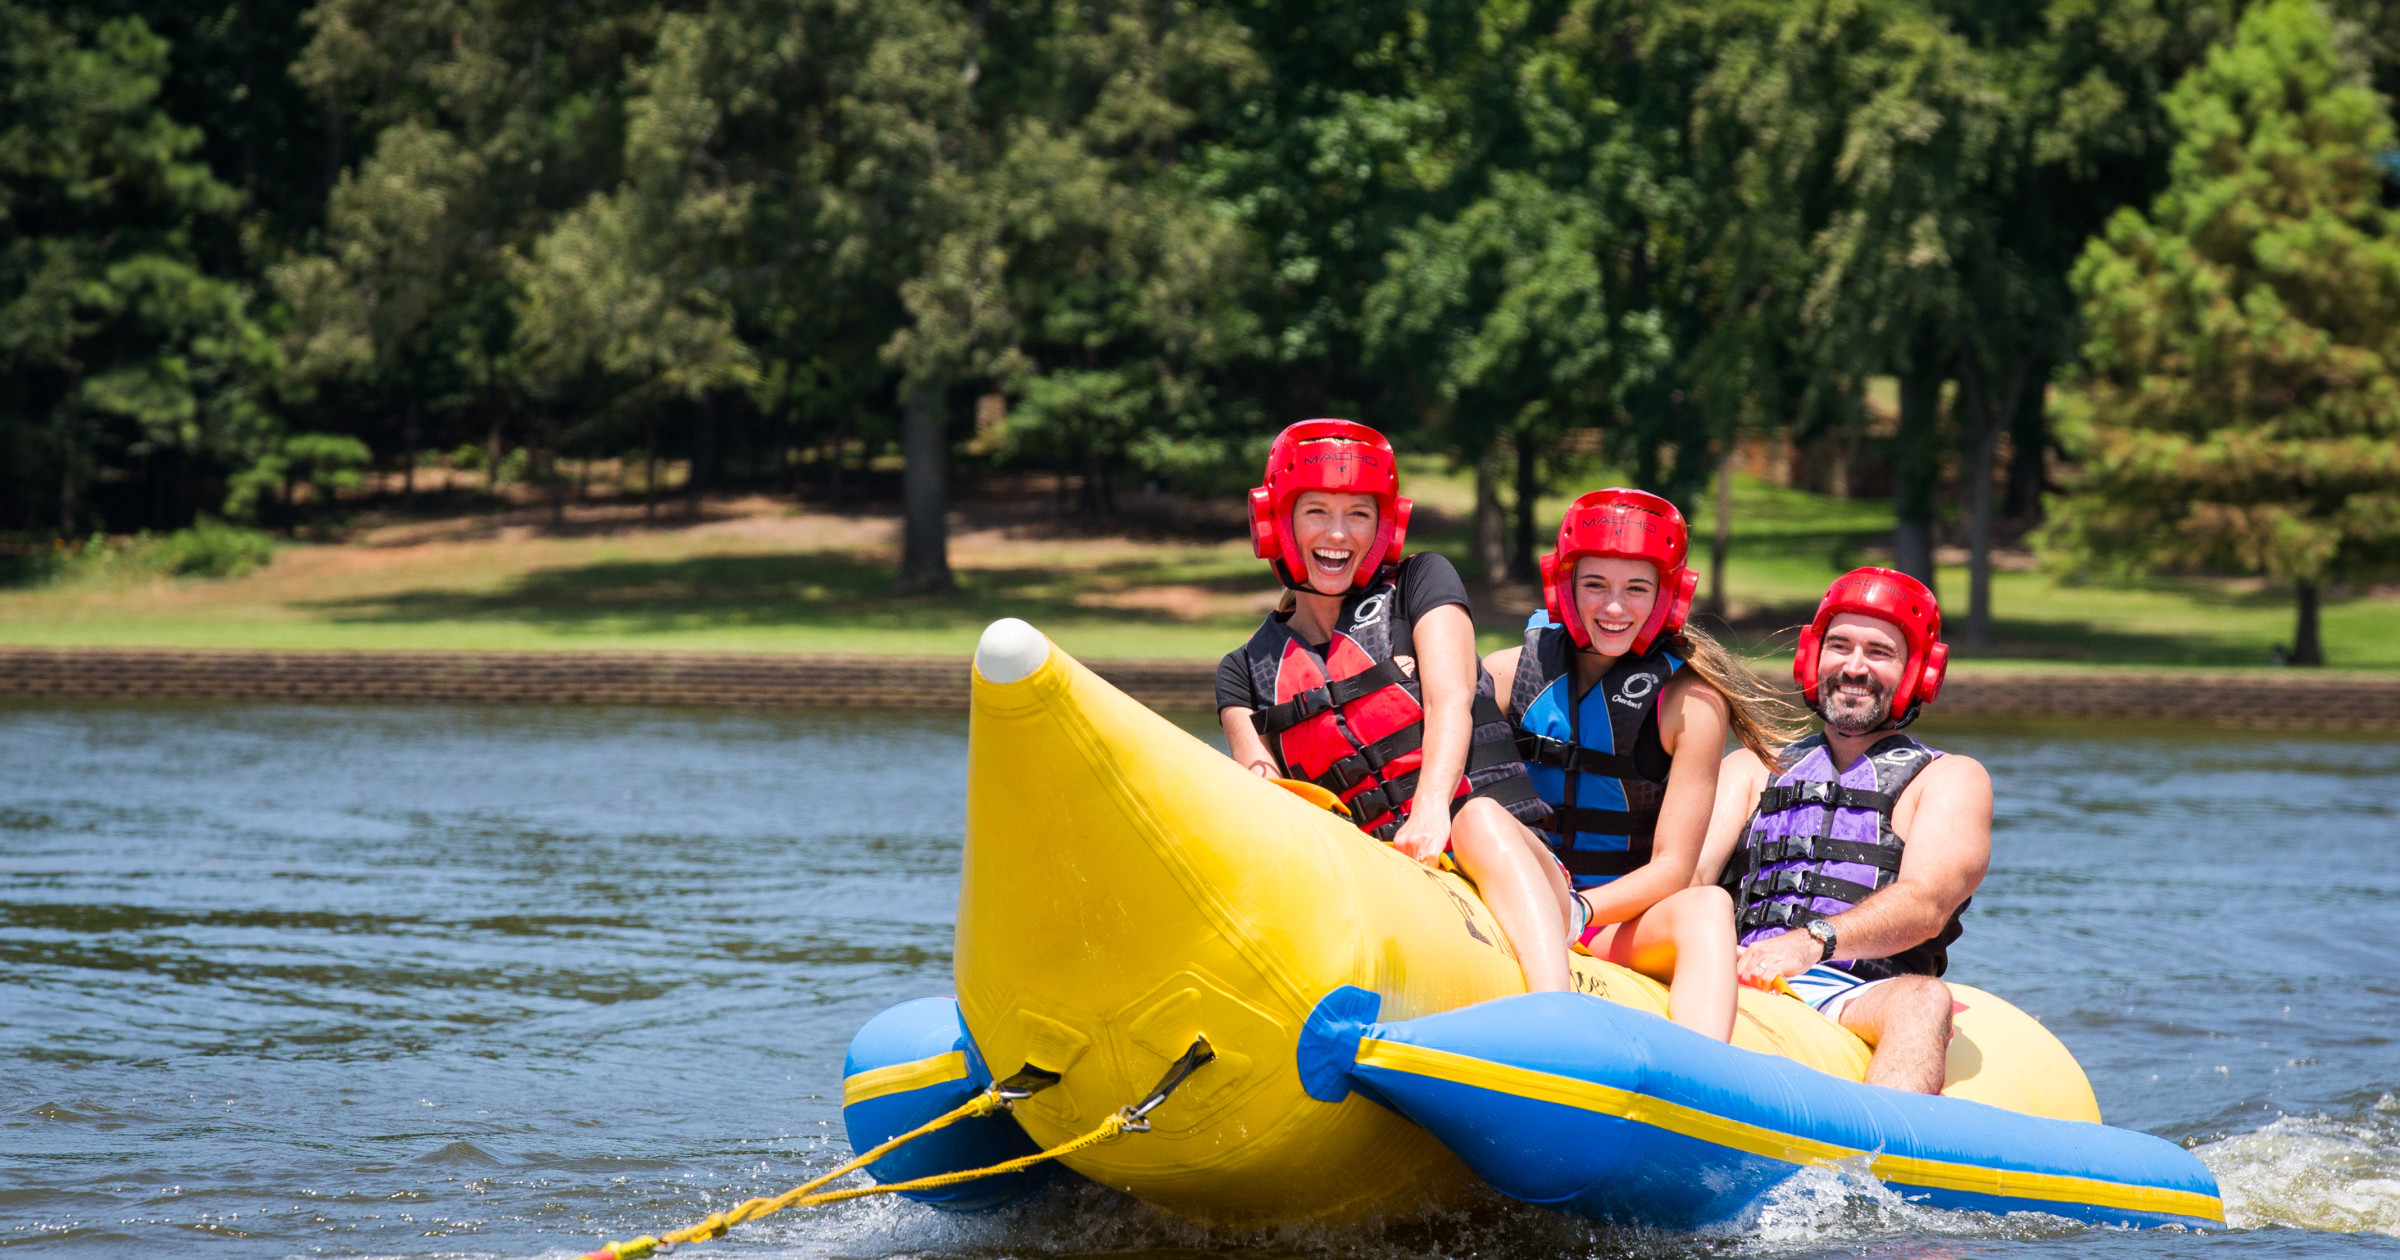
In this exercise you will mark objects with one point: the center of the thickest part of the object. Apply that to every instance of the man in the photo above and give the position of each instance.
(1849, 870)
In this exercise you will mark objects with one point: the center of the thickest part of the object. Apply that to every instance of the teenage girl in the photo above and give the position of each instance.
(1622, 711)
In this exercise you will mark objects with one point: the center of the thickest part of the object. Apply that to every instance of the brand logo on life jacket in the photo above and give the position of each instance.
(1636, 690)
(1903, 754)
(1371, 609)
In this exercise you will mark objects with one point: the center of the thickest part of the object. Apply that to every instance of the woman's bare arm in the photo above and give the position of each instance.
(1738, 784)
(1243, 740)
(1502, 666)
(1446, 676)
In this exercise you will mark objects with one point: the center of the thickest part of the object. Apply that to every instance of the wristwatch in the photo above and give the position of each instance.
(1823, 930)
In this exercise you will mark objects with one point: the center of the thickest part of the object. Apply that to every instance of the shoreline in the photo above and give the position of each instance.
(2257, 699)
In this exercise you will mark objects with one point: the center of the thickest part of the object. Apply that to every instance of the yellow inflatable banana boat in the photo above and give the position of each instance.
(1129, 890)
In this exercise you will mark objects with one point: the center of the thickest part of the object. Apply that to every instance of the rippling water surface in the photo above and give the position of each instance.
(432, 982)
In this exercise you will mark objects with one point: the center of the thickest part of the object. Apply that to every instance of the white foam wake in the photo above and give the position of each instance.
(2314, 1173)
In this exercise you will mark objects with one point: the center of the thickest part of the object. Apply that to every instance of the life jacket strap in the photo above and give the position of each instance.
(1761, 851)
(1567, 820)
(1774, 800)
(1542, 750)
(1276, 719)
(1368, 762)
(1611, 862)
(1785, 883)
(1392, 796)
(1778, 914)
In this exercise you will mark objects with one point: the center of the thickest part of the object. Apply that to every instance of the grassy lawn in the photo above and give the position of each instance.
(1786, 545)
(753, 577)
(758, 576)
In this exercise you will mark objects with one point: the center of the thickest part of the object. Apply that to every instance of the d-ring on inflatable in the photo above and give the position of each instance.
(1130, 892)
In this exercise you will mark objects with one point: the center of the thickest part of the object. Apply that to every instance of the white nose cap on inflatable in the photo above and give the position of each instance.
(1011, 649)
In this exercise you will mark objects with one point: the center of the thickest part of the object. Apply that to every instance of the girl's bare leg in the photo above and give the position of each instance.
(1687, 941)
(1520, 889)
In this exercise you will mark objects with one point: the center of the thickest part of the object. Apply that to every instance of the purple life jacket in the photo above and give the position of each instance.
(1820, 843)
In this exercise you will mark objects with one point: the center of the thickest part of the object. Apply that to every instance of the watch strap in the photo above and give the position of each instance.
(1826, 935)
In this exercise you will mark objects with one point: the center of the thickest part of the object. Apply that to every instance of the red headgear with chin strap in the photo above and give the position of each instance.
(1886, 595)
(1339, 456)
(1635, 525)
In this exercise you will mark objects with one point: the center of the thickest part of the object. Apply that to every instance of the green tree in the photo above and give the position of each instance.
(118, 344)
(2239, 405)
(1543, 303)
(631, 287)
(482, 122)
(1074, 259)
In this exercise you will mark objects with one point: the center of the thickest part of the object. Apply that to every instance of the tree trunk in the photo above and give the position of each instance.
(650, 469)
(1723, 541)
(1986, 413)
(1489, 549)
(331, 174)
(250, 124)
(70, 459)
(2029, 449)
(491, 456)
(1916, 461)
(2308, 647)
(1521, 565)
(837, 450)
(410, 431)
(925, 540)
(707, 455)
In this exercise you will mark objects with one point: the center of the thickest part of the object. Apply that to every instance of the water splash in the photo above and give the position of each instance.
(2314, 1172)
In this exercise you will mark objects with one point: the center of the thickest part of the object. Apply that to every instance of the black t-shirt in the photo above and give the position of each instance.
(1427, 581)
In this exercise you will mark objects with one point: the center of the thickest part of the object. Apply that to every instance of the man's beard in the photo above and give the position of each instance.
(1853, 715)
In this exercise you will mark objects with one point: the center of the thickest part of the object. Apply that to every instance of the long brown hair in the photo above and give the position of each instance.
(1762, 719)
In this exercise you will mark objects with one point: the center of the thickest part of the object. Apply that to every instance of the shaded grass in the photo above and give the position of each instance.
(822, 584)
(1786, 545)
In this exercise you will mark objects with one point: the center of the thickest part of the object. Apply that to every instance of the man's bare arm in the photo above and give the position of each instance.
(1948, 849)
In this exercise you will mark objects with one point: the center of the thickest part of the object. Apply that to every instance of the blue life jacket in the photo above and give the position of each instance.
(1597, 761)
(1820, 842)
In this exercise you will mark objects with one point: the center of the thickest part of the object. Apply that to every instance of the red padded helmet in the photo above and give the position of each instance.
(1636, 525)
(1335, 455)
(1886, 595)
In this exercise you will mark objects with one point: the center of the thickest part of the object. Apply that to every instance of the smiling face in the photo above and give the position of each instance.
(1858, 669)
(1614, 596)
(1334, 531)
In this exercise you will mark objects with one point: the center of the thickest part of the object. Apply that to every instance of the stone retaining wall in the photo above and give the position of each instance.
(2289, 699)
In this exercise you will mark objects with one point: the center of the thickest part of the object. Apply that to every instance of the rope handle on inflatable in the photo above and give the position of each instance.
(1321, 797)
(999, 1097)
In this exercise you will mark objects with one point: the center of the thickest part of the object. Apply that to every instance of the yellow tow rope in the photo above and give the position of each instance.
(803, 1195)
(998, 1097)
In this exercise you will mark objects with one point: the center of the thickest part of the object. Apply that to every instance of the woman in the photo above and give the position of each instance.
(1621, 712)
(1365, 683)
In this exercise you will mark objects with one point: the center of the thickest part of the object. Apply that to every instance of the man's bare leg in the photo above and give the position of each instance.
(1907, 1020)
(1520, 888)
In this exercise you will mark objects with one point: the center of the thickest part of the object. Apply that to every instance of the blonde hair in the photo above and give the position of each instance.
(1763, 720)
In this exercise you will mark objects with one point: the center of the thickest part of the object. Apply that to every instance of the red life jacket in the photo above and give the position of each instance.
(1355, 723)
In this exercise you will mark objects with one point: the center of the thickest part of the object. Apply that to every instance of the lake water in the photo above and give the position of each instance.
(452, 982)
